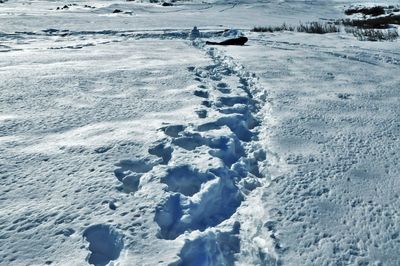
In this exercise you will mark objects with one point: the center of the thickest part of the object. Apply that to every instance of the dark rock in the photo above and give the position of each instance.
(235, 41)
(373, 11)
(112, 206)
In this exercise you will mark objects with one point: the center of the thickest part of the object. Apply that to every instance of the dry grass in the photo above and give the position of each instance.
(372, 11)
(318, 28)
(382, 22)
(373, 26)
(373, 35)
(310, 27)
(283, 27)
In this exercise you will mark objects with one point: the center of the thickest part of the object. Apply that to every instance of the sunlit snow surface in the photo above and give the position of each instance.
(124, 142)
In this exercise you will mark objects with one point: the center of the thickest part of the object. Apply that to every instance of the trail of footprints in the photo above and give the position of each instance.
(208, 167)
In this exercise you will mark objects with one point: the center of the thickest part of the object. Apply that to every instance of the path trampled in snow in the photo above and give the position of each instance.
(124, 141)
(205, 172)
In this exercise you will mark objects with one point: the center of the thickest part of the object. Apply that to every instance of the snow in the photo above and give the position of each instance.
(335, 135)
(125, 140)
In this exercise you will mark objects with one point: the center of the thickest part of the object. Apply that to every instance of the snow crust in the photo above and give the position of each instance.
(125, 140)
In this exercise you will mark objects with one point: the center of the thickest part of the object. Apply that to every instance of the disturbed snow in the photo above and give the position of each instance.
(125, 142)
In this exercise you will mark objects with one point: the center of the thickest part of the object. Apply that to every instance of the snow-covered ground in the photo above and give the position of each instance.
(124, 142)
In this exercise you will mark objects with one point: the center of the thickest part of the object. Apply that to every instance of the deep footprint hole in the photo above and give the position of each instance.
(126, 167)
(201, 113)
(218, 249)
(229, 150)
(201, 93)
(173, 130)
(162, 150)
(217, 204)
(167, 217)
(189, 141)
(185, 180)
(129, 173)
(232, 100)
(105, 244)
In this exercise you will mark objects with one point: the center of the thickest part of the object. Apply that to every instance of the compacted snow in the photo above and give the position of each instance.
(124, 140)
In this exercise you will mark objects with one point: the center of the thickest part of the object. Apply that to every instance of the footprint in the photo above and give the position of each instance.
(185, 180)
(168, 215)
(105, 244)
(208, 126)
(206, 103)
(201, 86)
(201, 93)
(136, 166)
(201, 113)
(190, 141)
(173, 130)
(129, 173)
(225, 90)
(229, 150)
(211, 249)
(217, 203)
(232, 100)
(162, 150)
(236, 109)
(223, 87)
(236, 124)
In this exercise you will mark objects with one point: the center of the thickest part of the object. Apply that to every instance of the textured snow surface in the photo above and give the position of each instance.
(125, 142)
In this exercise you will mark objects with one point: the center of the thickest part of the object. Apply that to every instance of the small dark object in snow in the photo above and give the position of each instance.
(344, 96)
(201, 113)
(206, 103)
(50, 31)
(65, 7)
(117, 11)
(112, 206)
(201, 93)
(167, 4)
(102, 149)
(236, 41)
